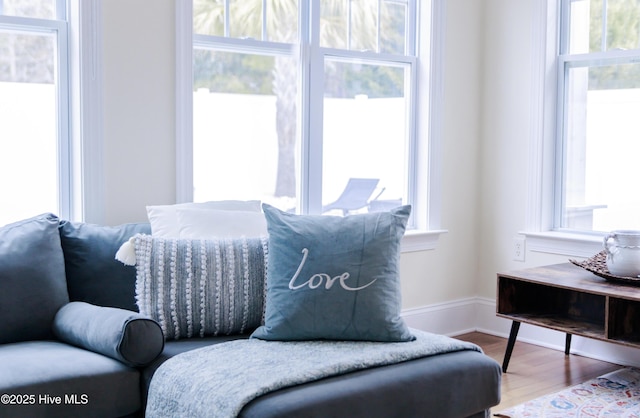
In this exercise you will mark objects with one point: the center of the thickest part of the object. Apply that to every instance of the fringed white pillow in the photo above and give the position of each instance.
(199, 287)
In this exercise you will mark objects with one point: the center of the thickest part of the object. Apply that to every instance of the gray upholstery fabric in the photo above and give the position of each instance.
(225, 377)
(93, 273)
(32, 278)
(451, 385)
(123, 335)
(110, 388)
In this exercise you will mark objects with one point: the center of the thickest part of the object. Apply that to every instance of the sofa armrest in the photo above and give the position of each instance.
(123, 335)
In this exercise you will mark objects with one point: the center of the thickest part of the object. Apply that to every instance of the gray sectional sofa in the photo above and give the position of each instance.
(72, 343)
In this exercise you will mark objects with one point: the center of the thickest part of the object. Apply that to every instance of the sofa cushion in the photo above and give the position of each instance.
(88, 384)
(203, 287)
(164, 218)
(209, 223)
(332, 277)
(32, 278)
(93, 273)
(120, 334)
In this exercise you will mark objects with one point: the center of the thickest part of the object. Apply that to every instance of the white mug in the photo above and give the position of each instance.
(623, 252)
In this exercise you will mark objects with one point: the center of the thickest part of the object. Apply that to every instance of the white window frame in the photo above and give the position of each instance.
(425, 167)
(79, 104)
(545, 146)
(58, 26)
(86, 87)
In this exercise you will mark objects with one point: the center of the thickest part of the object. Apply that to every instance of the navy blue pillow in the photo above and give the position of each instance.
(93, 274)
(336, 278)
(32, 279)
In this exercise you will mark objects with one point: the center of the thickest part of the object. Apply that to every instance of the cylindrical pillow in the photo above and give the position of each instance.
(127, 336)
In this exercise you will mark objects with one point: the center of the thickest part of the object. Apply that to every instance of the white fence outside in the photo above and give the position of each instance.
(363, 137)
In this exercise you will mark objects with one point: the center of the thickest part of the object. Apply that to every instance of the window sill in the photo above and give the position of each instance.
(564, 243)
(421, 240)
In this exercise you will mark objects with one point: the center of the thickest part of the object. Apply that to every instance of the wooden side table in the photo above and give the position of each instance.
(567, 298)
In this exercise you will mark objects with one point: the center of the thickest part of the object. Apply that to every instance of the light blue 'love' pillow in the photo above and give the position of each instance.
(334, 278)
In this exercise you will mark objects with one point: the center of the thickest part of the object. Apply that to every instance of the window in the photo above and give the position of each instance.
(598, 123)
(34, 112)
(291, 99)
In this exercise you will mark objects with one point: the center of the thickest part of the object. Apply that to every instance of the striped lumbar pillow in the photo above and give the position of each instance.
(199, 287)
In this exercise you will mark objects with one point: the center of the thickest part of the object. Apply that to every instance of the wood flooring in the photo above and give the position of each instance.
(535, 371)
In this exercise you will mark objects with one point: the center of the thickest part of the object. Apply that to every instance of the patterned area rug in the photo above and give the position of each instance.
(616, 394)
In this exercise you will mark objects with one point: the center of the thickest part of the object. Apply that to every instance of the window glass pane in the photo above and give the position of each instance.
(246, 19)
(333, 24)
(282, 20)
(392, 27)
(602, 148)
(244, 127)
(28, 122)
(363, 25)
(208, 17)
(604, 25)
(43, 9)
(623, 24)
(364, 134)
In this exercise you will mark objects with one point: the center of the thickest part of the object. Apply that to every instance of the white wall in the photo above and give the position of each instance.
(139, 107)
(507, 125)
(450, 271)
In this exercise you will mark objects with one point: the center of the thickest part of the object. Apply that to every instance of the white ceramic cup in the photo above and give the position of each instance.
(623, 252)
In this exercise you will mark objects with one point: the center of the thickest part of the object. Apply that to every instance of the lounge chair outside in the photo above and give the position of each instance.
(356, 195)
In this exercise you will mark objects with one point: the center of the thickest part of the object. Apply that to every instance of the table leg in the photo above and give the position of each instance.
(567, 344)
(515, 327)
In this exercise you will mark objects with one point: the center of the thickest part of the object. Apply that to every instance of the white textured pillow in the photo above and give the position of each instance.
(164, 219)
(196, 223)
(201, 287)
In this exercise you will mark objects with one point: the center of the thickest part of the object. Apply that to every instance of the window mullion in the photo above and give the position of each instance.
(61, 9)
(564, 18)
(263, 33)
(240, 45)
(313, 154)
(316, 119)
(368, 56)
(603, 45)
(378, 11)
(560, 145)
(227, 18)
(412, 35)
(63, 133)
(411, 87)
(30, 24)
(601, 58)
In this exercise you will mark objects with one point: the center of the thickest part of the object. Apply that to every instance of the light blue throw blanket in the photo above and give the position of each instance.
(219, 380)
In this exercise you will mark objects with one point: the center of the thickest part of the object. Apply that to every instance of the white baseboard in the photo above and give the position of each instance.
(479, 314)
(449, 318)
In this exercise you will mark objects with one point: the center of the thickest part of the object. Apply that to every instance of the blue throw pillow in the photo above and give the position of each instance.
(32, 279)
(93, 274)
(334, 277)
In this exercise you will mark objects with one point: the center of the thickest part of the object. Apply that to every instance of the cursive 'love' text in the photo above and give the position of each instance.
(317, 279)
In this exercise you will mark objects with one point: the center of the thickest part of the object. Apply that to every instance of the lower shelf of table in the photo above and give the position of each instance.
(568, 325)
(574, 327)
